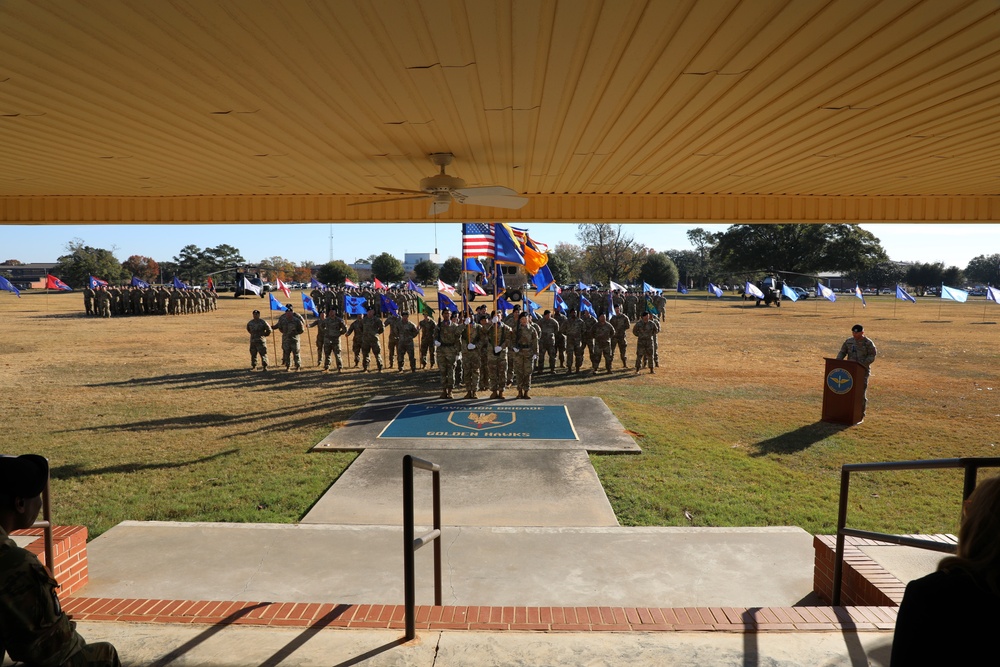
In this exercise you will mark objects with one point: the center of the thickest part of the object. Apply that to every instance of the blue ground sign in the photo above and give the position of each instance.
(500, 422)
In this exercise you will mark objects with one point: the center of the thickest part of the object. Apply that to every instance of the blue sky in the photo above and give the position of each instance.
(951, 244)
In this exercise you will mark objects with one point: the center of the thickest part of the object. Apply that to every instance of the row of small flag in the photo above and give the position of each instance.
(51, 282)
(822, 291)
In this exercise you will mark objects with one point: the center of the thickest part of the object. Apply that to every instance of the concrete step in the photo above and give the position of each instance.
(564, 566)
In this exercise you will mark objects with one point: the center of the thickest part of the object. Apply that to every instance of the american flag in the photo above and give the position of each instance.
(477, 240)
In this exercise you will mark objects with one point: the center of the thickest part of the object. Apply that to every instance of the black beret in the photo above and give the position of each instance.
(23, 476)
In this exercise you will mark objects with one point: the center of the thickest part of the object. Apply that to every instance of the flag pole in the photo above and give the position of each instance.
(309, 338)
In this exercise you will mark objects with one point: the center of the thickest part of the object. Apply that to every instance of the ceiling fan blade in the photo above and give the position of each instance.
(485, 191)
(496, 201)
(380, 201)
(438, 206)
(416, 192)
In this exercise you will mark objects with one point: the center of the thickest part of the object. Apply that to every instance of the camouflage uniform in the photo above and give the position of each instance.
(560, 339)
(496, 335)
(320, 325)
(427, 328)
(259, 330)
(547, 342)
(448, 334)
(863, 352)
(102, 299)
(622, 324)
(392, 324)
(88, 299)
(355, 331)
(587, 335)
(631, 305)
(524, 344)
(371, 329)
(604, 331)
(573, 330)
(407, 331)
(472, 349)
(335, 328)
(644, 331)
(660, 302)
(33, 627)
(291, 327)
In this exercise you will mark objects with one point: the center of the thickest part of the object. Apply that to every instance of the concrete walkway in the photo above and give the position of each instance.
(218, 646)
(636, 567)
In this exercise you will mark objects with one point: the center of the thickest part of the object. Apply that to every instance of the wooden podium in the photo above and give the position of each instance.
(843, 391)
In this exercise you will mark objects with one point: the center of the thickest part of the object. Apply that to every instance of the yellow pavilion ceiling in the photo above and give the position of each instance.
(210, 110)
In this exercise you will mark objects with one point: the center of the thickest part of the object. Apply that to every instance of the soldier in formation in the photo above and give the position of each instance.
(404, 345)
(354, 333)
(645, 331)
(291, 326)
(619, 343)
(473, 345)
(447, 340)
(524, 345)
(259, 330)
(129, 300)
(604, 332)
(572, 328)
(427, 327)
(335, 328)
(549, 329)
(371, 343)
(498, 337)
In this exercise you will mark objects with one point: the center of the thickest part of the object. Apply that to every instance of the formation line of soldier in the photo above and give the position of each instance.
(114, 301)
(477, 351)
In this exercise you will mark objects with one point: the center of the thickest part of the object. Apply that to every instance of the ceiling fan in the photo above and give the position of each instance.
(442, 188)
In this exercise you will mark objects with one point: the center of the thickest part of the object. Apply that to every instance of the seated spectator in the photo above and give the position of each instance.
(33, 627)
(950, 617)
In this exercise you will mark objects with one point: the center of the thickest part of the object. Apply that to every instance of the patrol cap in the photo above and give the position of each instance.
(256, 312)
(23, 476)
(857, 328)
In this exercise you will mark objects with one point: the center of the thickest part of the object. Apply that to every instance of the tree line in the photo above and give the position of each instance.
(604, 252)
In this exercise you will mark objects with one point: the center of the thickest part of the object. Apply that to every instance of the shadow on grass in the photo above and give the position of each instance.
(72, 470)
(799, 439)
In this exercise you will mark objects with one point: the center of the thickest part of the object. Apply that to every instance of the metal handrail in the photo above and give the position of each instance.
(46, 525)
(971, 466)
(411, 544)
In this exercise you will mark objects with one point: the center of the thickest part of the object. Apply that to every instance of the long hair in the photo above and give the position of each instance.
(979, 537)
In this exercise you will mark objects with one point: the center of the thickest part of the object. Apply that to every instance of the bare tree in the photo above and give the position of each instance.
(610, 253)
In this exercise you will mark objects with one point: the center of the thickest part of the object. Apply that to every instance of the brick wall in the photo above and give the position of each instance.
(69, 547)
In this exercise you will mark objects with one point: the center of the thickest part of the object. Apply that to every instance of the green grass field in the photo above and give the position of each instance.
(158, 418)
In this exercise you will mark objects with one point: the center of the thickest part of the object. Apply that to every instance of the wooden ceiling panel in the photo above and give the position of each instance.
(590, 101)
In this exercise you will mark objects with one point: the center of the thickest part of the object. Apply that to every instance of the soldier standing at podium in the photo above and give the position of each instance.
(861, 349)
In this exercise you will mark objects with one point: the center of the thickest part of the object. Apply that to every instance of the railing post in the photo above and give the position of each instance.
(409, 575)
(436, 477)
(838, 564)
(412, 543)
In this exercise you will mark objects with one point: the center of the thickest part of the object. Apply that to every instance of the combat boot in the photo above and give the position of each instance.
(493, 395)
(651, 371)
(500, 395)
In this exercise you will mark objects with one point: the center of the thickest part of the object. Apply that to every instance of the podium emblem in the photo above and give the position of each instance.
(839, 381)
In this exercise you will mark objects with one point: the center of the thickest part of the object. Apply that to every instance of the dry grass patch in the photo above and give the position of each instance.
(159, 418)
